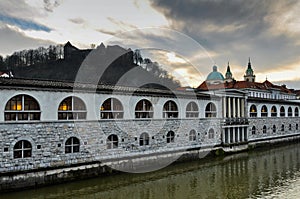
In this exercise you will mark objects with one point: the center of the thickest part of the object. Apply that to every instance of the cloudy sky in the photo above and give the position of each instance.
(187, 37)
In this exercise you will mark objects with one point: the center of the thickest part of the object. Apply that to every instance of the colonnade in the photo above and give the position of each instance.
(233, 107)
(234, 135)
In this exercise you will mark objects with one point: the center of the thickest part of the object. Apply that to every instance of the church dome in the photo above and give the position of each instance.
(215, 75)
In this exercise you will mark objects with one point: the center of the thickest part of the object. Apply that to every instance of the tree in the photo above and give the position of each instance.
(137, 57)
(2, 63)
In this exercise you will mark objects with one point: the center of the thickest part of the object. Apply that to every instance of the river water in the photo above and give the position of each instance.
(268, 173)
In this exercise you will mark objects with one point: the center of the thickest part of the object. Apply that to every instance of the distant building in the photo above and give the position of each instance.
(71, 51)
(265, 90)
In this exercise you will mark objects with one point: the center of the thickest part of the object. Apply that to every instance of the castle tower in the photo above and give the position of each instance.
(249, 76)
(228, 74)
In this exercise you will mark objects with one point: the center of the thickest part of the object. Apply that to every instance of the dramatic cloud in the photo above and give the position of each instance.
(238, 29)
(217, 31)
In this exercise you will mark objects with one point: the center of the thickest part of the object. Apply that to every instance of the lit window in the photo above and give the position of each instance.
(170, 110)
(111, 109)
(253, 111)
(144, 139)
(22, 107)
(143, 109)
(112, 142)
(273, 111)
(192, 135)
(72, 145)
(170, 137)
(22, 149)
(72, 108)
(210, 110)
(192, 110)
(264, 111)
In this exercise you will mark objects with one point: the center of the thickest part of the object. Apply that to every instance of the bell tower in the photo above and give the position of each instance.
(249, 76)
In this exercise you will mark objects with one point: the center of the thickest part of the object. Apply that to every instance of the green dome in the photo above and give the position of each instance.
(215, 75)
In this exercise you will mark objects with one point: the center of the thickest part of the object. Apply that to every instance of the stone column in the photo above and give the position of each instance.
(233, 139)
(238, 107)
(229, 107)
(224, 107)
(238, 134)
(243, 107)
(234, 107)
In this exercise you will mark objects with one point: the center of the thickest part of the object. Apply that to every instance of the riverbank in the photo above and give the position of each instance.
(40, 178)
(269, 173)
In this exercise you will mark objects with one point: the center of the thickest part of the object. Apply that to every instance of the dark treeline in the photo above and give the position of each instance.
(154, 68)
(50, 64)
(31, 57)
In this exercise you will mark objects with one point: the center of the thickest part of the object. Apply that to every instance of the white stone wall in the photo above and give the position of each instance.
(49, 102)
(51, 138)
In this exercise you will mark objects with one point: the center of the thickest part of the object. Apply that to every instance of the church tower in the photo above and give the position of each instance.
(249, 76)
(228, 75)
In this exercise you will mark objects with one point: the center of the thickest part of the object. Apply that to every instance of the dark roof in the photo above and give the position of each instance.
(10, 83)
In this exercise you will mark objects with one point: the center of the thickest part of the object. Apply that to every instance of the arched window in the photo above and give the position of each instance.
(273, 111)
(111, 108)
(290, 127)
(170, 137)
(170, 110)
(296, 126)
(22, 107)
(264, 129)
(144, 139)
(253, 111)
(143, 109)
(210, 110)
(72, 145)
(264, 111)
(282, 112)
(253, 130)
(192, 110)
(296, 112)
(192, 135)
(290, 112)
(211, 134)
(112, 141)
(282, 127)
(22, 149)
(274, 128)
(72, 108)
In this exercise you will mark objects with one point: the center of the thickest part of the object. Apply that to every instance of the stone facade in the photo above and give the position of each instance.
(48, 140)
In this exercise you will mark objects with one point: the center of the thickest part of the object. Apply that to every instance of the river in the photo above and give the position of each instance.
(267, 173)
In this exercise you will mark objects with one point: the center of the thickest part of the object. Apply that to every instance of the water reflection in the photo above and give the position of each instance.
(261, 174)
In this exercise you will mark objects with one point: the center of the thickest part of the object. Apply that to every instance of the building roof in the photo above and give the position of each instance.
(266, 85)
(215, 75)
